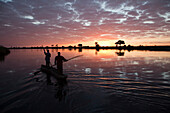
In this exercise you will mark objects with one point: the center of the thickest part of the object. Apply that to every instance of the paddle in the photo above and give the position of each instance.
(74, 57)
(35, 73)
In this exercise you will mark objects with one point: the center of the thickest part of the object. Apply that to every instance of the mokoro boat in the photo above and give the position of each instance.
(52, 71)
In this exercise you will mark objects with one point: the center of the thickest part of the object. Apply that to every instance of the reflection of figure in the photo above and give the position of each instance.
(59, 61)
(49, 80)
(61, 90)
(47, 57)
(60, 87)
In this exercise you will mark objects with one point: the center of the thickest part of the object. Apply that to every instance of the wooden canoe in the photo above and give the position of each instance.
(52, 71)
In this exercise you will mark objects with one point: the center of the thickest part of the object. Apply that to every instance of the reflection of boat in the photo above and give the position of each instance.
(52, 71)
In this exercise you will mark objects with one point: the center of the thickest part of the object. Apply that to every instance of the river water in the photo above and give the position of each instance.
(105, 81)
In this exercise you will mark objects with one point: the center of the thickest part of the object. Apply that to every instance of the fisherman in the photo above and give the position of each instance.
(47, 57)
(59, 61)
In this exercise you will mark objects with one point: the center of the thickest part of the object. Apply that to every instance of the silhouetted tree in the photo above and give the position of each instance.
(70, 46)
(119, 42)
(80, 45)
(97, 45)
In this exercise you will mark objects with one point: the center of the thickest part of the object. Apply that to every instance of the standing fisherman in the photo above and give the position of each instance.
(47, 57)
(59, 61)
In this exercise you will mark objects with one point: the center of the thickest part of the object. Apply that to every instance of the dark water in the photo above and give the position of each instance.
(98, 82)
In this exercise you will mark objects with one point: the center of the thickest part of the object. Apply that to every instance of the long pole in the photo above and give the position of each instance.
(75, 57)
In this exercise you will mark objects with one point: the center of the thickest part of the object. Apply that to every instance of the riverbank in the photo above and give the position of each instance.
(129, 48)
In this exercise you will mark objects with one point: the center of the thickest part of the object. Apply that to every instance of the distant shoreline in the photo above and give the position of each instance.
(129, 48)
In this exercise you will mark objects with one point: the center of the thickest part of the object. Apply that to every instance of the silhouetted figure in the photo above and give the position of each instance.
(47, 57)
(59, 61)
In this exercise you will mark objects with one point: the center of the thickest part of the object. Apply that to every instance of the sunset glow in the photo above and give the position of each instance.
(70, 22)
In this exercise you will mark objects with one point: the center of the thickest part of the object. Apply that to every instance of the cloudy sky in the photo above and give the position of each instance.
(69, 22)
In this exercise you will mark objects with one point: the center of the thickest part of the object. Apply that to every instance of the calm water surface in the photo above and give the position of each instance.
(98, 82)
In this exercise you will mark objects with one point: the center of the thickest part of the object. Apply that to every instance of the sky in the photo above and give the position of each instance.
(70, 22)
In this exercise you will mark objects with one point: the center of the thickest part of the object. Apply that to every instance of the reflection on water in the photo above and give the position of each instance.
(2, 57)
(61, 90)
(120, 53)
(61, 87)
(104, 81)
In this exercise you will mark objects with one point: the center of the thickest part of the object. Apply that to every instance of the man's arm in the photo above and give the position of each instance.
(65, 60)
(44, 51)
